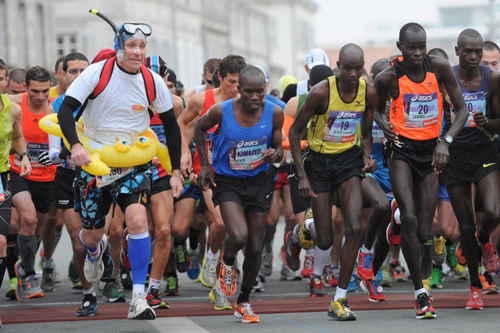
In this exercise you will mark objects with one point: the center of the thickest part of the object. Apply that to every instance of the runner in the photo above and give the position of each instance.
(491, 55)
(208, 68)
(414, 154)
(248, 138)
(336, 109)
(61, 86)
(119, 110)
(474, 159)
(16, 82)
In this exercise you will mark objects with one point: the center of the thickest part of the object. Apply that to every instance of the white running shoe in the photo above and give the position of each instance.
(139, 308)
(93, 269)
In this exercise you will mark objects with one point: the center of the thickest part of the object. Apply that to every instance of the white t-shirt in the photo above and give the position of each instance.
(302, 87)
(199, 89)
(120, 112)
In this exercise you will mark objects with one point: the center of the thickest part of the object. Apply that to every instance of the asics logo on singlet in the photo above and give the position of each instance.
(138, 107)
(470, 97)
(247, 143)
(347, 115)
(421, 98)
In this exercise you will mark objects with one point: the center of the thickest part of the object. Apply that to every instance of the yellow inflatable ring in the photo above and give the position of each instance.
(122, 154)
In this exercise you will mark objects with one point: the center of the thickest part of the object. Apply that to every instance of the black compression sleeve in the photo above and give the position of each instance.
(66, 120)
(173, 137)
(289, 93)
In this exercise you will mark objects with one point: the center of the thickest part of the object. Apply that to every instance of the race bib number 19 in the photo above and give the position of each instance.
(342, 126)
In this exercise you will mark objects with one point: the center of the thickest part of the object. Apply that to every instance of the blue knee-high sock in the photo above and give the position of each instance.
(139, 252)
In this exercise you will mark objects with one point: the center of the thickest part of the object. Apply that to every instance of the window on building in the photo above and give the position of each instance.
(66, 44)
(40, 34)
(21, 33)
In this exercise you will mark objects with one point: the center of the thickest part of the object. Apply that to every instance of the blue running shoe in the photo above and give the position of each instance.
(194, 269)
(353, 284)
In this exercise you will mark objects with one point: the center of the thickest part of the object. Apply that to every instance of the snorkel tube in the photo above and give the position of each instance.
(120, 52)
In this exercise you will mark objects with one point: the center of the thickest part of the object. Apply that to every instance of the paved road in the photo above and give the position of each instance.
(394, 315)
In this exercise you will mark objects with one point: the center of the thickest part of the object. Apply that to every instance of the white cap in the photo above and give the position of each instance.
(317, 57)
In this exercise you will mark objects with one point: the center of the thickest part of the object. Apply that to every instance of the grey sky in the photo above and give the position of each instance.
(339, 22)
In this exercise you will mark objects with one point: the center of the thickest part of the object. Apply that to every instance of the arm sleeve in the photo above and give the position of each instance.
(172, 136)
(54, 148)
(66, 120)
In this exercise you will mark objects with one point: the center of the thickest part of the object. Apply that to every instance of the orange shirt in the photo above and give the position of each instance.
(37, 141)
(417, 112)
(209, 102)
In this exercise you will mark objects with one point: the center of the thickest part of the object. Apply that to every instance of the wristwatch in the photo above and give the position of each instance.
(448, 139)
(22, 155)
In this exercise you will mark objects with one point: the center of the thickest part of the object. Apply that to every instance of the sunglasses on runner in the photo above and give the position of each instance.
(131, 28)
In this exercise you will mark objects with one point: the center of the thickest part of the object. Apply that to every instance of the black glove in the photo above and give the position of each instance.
(44, 158)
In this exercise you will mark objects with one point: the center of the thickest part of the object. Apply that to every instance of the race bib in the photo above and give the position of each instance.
(420, 110)
(377, 134)
(34, 150)
(116, 173)
(475, 102)
(342, 126)
(2, 192)
(247, 154)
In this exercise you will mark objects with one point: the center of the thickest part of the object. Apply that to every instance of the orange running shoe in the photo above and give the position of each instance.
(227, 280)
(475, 301)
(244, 312)
(490, 257)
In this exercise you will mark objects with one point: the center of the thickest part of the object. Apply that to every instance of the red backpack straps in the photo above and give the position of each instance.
(149, 84)
(106, 72)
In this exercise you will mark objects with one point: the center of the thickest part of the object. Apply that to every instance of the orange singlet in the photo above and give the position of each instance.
(37, 141)
(417, 112)
(209, 102)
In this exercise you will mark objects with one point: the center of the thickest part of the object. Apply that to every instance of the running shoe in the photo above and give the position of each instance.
(489, 286)
(451, 255)
(329, 276)
(386, 280)
(33, 289)
(475, 301)
(11, 292)
(397, 271)
(111, 294)
(490, 257)
(220, 301)
(154, 300)
(48, 284)
(424, 308)
(72, 273)
(194, 268)
(21, 284)
(287, 274)
(304, 235)
(427, 286)
(316, 288)
(459, 272)
(437, 278)
(266, 267)
(88, 307)
(365, 265)
(393, 232)
(353, 284)
(292, 253)
(258, 285)
(373, 288)
(227, 281)
(139, 308)
(172, 288)
(125, 279)
(182, 259)
(340, 310)
(460, 256)
(77, 286)
(94, 268)
(439, 256)
(56, 276)
(244, 312)
(209, 271)
(308, 268)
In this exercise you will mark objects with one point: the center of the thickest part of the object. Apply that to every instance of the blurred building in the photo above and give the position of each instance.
(276, 34)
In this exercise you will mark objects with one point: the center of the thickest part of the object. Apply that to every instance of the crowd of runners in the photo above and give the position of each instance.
(362, 165)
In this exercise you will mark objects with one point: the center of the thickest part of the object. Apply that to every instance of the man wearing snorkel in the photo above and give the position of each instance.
(119, 112)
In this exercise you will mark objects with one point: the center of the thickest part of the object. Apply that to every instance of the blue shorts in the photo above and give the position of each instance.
(382, 178)
(443, 193)
(93, 203)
